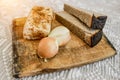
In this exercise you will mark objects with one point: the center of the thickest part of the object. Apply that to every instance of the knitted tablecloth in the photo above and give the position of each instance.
(107, 69)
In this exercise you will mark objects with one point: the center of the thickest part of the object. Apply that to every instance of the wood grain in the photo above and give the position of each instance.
(75, 53)
(90, 36)
(91, 19)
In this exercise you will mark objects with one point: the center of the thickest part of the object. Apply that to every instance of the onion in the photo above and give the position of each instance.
(48, 47)
(61, 34)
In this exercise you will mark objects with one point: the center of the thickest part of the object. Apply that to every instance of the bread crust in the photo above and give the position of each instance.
(38, 23)
(74, 25)
(89, 18)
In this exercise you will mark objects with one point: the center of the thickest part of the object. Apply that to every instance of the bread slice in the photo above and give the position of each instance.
(38, 23)
(91, 19)
(90, 36)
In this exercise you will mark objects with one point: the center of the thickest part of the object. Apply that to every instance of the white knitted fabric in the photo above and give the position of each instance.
(107, 69)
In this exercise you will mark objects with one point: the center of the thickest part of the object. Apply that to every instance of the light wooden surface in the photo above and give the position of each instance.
(75, 53)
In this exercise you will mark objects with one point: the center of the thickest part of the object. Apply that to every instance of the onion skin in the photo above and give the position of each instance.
(65, 40)
(48, 47)
(61, 34)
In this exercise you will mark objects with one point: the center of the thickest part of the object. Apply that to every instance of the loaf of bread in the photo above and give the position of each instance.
(91, 19)
(90, 36)
(38, 23)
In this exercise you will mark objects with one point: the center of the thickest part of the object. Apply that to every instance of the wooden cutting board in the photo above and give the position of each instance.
(75, 53)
